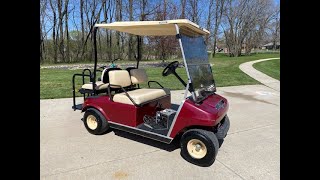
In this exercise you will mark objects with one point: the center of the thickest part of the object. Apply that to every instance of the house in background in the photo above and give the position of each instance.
(269, 46)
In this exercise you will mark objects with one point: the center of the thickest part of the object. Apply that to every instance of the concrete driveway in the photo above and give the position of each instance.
(250, 151)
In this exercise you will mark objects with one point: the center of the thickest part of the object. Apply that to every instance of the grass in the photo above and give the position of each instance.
(271, 68)
(57, 83)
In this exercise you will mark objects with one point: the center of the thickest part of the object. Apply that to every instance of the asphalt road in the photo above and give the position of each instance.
(250, 151)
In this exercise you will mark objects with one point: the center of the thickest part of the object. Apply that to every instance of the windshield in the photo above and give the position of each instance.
(199, 68)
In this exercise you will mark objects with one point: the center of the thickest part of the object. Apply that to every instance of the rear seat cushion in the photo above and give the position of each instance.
(140, 96)
(138, 76)
(105, 74)
(119, 77)
(100, 85)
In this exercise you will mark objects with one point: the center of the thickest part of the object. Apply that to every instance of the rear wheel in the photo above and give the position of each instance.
(199, 147)
(95, 122)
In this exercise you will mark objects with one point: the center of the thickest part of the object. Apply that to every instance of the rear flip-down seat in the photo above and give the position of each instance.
(103, 84)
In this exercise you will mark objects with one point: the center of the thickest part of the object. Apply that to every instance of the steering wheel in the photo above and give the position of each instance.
(170, 68)
(112, 64)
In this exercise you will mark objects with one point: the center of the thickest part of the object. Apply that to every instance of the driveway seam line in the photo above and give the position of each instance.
(237, 132)
(231, 170)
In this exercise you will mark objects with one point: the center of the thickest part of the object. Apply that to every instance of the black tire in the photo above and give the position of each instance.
(102, 123)
(208, 139)
(222, 131)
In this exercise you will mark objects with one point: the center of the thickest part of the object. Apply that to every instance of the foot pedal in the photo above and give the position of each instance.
(148, 125)
(154, 122)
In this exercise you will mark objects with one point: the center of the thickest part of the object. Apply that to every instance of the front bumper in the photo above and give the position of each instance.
(222, 128)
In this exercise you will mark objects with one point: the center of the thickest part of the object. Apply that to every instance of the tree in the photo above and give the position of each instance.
(143, 14)
(130, 54)
(241, 18)
(43, 6)
(92, 17)
(219, 9)
(209, 17)
(183, 9)
(82, 26)
(236, 23)
(118, 18)
(194, 11)
(267, 15)
(275, 27)
(54, 37)
(66, 15)
(145, 11)
(60, 27)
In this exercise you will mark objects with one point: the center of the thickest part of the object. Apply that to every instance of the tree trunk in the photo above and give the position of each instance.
(66, 13)
(60, 25)
(130, 51)
(218, 16)
(209, 20)
(41, 42)
(110, 35)
(105, 16)
(118, 18)
(139, 38)
(183, 9)
(54, 38)
(194, 11)
(82, 27)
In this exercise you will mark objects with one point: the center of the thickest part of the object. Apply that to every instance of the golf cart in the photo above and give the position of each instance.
(116, 100)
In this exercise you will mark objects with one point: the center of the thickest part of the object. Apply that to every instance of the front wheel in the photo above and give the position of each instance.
(199, 147)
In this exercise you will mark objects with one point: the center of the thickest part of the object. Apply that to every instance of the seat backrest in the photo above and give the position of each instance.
(138, 76)
(105, 74)
(120, 78)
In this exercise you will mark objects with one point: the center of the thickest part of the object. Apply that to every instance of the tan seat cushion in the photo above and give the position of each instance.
(140, 96)
(100, 85)
(120, 78)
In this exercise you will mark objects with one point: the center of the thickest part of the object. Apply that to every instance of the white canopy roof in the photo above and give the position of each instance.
(156, 28)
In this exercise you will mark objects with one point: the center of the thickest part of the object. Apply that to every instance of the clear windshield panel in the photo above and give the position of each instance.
(199, 68)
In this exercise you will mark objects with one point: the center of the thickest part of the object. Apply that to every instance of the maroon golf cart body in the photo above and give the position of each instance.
(201, 119)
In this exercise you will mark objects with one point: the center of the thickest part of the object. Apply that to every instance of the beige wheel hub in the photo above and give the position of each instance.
(92, 122)
(196, 148)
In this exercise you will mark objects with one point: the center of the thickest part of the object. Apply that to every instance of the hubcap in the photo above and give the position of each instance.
(196, 148)
(92, 122)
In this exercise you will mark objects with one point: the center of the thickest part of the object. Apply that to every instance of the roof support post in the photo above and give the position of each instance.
(189, 86)
(139, 47)
(95, 59)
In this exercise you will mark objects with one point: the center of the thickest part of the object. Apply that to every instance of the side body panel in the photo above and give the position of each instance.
(204, 114)
(125, 114)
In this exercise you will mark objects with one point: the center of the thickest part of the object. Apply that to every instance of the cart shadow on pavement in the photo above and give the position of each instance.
(246, 97)
(167, 147)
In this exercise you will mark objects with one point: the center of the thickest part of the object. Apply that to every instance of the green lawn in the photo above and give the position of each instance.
(270, 68)
(56, 83)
